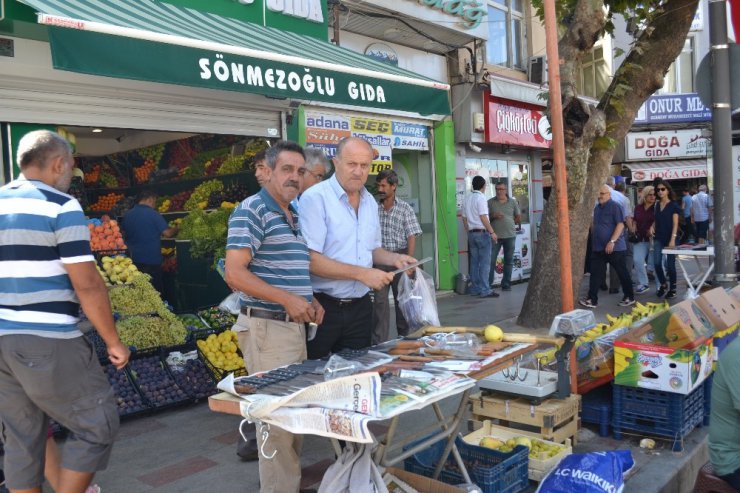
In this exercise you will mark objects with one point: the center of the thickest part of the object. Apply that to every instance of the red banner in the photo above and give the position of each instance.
(514, 123)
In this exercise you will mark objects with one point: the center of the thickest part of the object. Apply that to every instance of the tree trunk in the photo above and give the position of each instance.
(591, 134)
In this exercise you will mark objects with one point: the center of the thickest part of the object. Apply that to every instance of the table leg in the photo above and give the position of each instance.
(691, 291)
(451, 447)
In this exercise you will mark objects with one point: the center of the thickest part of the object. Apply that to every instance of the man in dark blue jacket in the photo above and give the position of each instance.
(608, 246)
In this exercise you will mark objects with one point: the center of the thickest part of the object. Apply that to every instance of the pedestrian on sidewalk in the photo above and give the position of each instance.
(702, 209)
(480, 239)
(619, 191)
(267, 262)
(664, 232)
(506, 219)
(47, 368)
(687, 222)
(644, 219)
(399, 229)
(339, 219)
(608, 247)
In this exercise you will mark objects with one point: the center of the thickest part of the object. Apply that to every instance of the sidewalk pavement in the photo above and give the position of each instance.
(191, 449)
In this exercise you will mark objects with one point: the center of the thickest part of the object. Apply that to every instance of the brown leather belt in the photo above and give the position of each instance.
(266, 314)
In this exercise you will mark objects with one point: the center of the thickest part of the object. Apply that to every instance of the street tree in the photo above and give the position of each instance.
(659, 29)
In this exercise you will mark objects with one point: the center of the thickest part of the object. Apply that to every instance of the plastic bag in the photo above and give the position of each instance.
(353, 471)
(595, 472)
(417, 300)
(231, 304)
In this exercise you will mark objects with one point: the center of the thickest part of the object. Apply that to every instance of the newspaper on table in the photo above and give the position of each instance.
(343, 407)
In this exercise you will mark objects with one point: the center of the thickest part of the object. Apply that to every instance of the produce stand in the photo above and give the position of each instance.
(393, 449)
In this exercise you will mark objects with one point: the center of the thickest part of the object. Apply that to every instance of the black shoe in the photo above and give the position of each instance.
(661, 291)
(613, 291)
(492, 294)
(505, 288)
(670, 294)
(248, 451)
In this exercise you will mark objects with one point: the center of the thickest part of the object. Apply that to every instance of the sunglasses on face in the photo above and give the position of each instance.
(661, 189)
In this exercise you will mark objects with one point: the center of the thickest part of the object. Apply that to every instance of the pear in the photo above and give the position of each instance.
(491, 442)
(493, 333)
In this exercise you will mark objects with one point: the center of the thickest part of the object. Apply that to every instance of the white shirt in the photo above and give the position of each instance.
(474, 207)
(701, 203)
(332, 228)
(623, 202)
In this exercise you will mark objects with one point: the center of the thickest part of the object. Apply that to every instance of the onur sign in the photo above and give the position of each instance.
(665, 145)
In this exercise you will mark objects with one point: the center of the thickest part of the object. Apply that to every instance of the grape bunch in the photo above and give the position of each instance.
(144, 332)
(97, 343)
(155, 383)
(201, 193)
(193, 376)
(160, 175)
(235, 193)
(128, 399)
(122, 206)
(136, 298)
(232, 164)
(177, 201)
(153, 153)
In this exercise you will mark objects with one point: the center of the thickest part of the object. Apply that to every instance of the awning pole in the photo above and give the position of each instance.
(561, 180)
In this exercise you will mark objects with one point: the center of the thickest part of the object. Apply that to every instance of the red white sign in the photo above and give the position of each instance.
(669, 173)
(640, 146)
(514, 123)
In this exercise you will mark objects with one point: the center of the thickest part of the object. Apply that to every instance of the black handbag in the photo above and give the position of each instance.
(634, 238)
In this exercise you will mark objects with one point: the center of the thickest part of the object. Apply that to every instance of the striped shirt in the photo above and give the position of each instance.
(279, 252)
(41, 230)
(396, 225)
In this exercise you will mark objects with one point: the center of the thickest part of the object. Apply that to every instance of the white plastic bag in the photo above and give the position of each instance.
(417, 300)
(353, 471)
(231, 304)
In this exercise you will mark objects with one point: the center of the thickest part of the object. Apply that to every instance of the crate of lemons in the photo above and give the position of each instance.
(221, 352)
(543, 454)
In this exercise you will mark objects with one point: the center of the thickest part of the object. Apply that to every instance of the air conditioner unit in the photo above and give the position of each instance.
(537, 70)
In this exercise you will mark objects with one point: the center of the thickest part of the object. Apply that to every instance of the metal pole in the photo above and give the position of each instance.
(724, 249)
(561, 180)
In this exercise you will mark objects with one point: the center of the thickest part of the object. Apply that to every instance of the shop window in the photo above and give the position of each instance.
(680, 76)
(506, 34)
(594, 77)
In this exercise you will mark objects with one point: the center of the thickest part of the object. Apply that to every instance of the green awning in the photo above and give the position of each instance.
(154, 41)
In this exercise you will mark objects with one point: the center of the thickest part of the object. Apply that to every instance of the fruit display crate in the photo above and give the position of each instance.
(129, 401)
(554, 419)
(538, 466)
(99, 254)
(217, 373)
(493, 472)
(654, 412)
(152, 378)
(216, 318)
(189, 374)
(596, 408)
(98, 344)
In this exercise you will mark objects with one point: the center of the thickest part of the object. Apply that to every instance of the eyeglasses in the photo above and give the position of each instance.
(318, 176)
(661, 189)
(651, 194)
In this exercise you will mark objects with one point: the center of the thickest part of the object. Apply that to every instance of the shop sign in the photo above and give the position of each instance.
(670, 173)
(673, 108)
(518, 124)
(303, 9)
(325, 130)
(91, 53)
(470, 11)
(464, 16)
(641, 146)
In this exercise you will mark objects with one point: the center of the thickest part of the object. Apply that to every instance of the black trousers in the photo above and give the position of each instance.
(598, 271)
(346, 325)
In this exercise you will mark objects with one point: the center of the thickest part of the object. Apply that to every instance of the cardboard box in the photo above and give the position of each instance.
(684, 325)
(723, 311)
(422, 484)
(660, 367)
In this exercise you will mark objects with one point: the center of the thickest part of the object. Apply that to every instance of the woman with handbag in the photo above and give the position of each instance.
(640, 237)
(665, 232)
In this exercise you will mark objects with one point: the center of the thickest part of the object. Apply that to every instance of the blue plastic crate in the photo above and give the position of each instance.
(654, 412)
(492, 471)
(596, 408)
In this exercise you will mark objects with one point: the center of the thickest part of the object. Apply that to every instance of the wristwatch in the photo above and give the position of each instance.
(613, 242)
